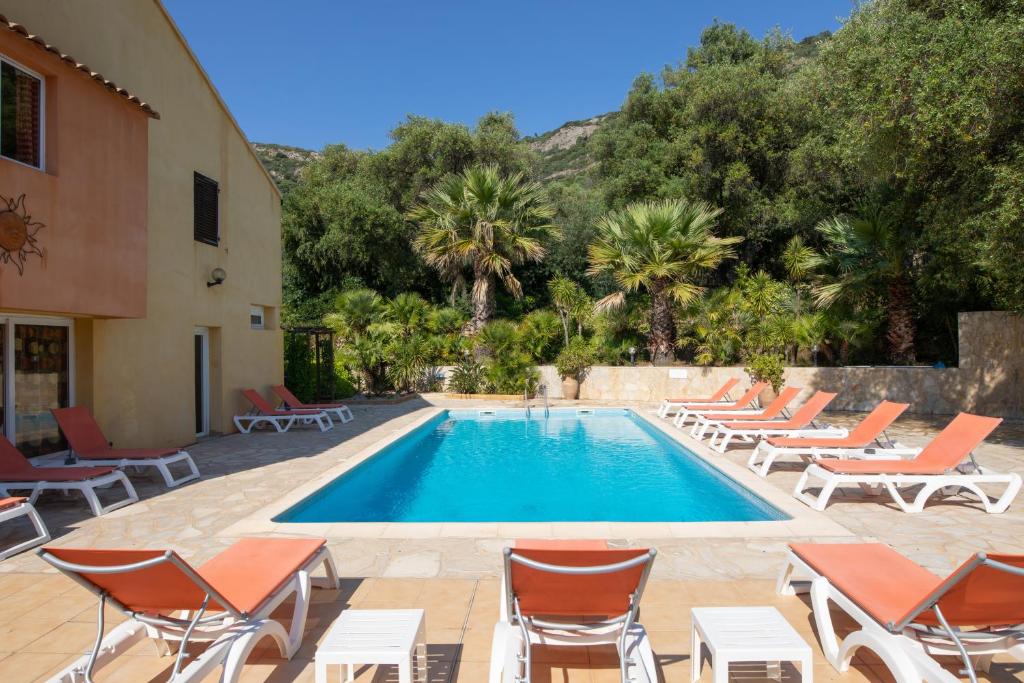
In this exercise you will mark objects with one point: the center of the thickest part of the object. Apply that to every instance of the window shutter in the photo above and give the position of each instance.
(205, 205)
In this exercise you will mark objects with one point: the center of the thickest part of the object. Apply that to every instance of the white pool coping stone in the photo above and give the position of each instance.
(803, 523)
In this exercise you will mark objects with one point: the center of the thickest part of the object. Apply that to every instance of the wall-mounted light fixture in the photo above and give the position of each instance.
(217, 277)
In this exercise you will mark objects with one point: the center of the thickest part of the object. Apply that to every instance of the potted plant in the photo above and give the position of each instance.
(766, 367)
(572, 364)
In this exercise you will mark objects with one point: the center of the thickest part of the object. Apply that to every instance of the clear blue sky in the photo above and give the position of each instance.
(313, 72)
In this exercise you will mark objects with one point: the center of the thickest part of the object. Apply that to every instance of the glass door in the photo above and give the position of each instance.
(201, 342)
(37, 377)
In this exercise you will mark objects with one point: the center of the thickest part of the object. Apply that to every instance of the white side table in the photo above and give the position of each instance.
(746, 634)
(375, 636)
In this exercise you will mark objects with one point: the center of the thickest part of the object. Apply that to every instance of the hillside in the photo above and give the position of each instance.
(565, 150)
(284, 163)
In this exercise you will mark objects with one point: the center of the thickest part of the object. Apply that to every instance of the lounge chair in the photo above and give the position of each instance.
(12, 508)
(801, 423)
(670, 405)
(747, 401)
(281, 420)
(855, 445)
(936, 468)
(567, 594)
(907, 615)
(17, 474)
(87, 443)
(227, 601)
(772, 411)
(290, 402)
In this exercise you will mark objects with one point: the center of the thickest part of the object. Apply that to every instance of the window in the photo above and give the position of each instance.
(205, 205)
(21, 115)
(256, 318)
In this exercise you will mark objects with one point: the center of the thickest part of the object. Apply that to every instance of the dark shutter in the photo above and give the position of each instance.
(204, 199)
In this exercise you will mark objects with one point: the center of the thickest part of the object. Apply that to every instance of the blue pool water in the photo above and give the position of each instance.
(461, 466)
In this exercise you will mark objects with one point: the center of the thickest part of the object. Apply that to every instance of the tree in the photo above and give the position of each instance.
(483, 220)
(662, 247)
(867, 257)
(572, 303)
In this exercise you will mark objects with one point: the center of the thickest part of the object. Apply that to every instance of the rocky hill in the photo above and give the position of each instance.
(565, 151)
(562, 152)
(284, 163)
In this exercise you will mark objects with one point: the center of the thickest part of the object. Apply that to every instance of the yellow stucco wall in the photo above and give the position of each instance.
(137, 375)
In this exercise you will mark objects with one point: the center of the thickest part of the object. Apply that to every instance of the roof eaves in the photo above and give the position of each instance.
(75, 64)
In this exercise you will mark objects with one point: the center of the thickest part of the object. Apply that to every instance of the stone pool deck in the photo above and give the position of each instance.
(45, 619)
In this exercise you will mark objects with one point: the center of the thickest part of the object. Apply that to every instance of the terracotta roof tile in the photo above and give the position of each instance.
(72, 62)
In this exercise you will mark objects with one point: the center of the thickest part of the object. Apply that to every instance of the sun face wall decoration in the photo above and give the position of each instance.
(17, 233)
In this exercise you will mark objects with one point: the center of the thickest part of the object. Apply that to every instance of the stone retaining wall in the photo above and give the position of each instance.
(988, 380)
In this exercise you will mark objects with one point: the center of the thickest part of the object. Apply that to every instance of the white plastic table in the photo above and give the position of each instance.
(375, 636)
(746, 634)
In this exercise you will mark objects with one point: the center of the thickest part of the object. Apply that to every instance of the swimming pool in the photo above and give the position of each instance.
(499, 466)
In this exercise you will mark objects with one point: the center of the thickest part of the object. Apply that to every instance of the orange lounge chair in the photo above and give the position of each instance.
(907, 615)
(669, 405)
(802, 422)
(86, 442)
(12, 508)
(747, 401)
(772, 411)
(855, 445)
(227, 601)
(18, 474)
(564, 593)
(290, 402)
(935, 469)
(281, 420)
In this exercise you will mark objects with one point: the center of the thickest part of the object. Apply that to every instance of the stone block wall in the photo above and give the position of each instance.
(988, 380)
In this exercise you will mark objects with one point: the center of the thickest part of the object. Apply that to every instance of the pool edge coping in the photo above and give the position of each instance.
(804, 522)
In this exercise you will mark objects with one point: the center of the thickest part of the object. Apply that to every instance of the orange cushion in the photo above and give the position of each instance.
(55, 474)
(246, 574)
(127, 453)
(560, 544)
(881, 581)
(805, 442)
(253, 569)
(7, 503)
(564, 595)
(894, 466)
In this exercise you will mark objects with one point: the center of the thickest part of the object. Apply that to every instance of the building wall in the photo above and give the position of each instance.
(90, 196)
(142, 370)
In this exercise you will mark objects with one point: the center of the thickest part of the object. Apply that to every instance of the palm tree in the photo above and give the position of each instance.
(867, 256)
(483, 220)
(662, 247)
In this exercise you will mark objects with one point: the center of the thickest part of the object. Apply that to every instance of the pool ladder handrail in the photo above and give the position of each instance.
(526, 401)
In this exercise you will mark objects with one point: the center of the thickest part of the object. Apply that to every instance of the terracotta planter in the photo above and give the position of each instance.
(767, 396)
(570, 388)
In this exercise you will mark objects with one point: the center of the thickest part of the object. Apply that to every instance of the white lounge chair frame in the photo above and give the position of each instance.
(282, 423)
(233, 634)
(343, 412)
(25, 509)
(511, 657)
(764, 454)
(722, 435)
(906, 649)
(696, 410)
(86, 486)
(703, 423)
(668, 407)
(948, 484)
(161, 463)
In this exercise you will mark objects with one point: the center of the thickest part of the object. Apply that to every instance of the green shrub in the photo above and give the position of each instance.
(766, 368)
(467, 377)
(575, 359)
